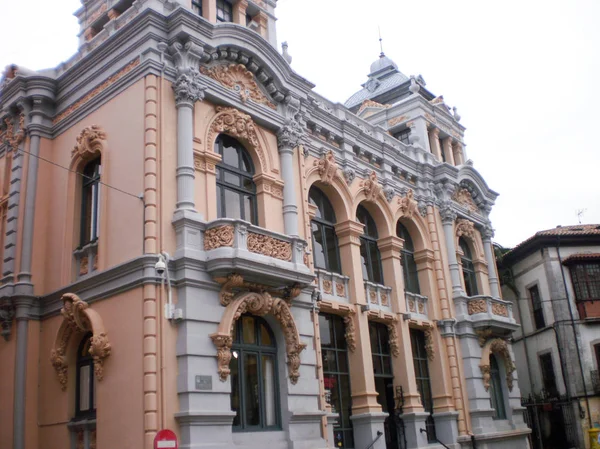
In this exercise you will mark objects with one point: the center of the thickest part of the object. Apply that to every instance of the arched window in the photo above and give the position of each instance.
(409, 267)
(254, 387)
(496, 396)
(468, 269)
(236, 191)
(369, 252)
(85, 394)
(90, 202)
(325, 244)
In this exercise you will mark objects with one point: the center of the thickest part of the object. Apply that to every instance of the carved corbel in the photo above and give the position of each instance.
(429, 348)
(371, 187)
(408, 205)
(290, 135)
(14, 138)
(91, 142)
(349, 175)
(350, 331)
(327, 168)
(234, 284)
(394, 341)
(465, 228)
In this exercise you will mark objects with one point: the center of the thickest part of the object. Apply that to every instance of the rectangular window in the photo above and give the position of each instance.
(548, 377)
(403, 136)
(538, 311)
(224, 11)
(197, 7)
(586, 281)
(417, 339)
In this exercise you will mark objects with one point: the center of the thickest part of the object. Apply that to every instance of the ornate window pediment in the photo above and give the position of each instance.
(499, 347)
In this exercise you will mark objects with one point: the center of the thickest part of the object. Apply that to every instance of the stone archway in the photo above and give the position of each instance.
(498, 347)
(79, 319)
(258, 304)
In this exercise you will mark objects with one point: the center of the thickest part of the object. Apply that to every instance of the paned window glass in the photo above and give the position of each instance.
(417, 339)
(85, 403)
(586, 281)
(197, 7)
(369, 251)
(409, 267)
(326, 253)
(538, 311)
(403, 136)
(90, 203)
(547, 369)
(224, 11)
(468, 269)
(496, 392)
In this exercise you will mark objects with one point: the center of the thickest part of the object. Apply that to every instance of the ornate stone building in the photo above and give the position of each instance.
(193, 239)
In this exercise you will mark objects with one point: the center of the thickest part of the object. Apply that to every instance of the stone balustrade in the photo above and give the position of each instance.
(333, 286)
(416, 306)
(485, 311)
(377, 294)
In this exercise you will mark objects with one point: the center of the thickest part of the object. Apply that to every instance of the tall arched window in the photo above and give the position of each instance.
(85, 394)
(496, 396)
(254, 387)
(90, 202)
(468, 269)
(325, 244)
(369, 252)
(409, 267)
(236, 191)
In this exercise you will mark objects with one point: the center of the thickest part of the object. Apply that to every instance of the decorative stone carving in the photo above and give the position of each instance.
(373, 297)
(239, 79)
(371, 187)
(6, 316)
(465, 228)
(498, 347)
(258, 304)
(372, 104)
(447, 212)
(289, 135)
(429, 348)
(394, 340)
(327, 287)
(78, 318)
(327, 168)
(90, 142)
(349, 175)
(411, 305)
(394, 121)
(421, 308)
(269, 246)
(423, 209)
(483, 335)
(408, 205)
(476, 306)
(463, 196)
(236, 124)
(84, 266)
(487, 232)
(14, 139)
(389, 193)
(499, 309)
(384, 299)
(188, 87)
(350, 332)
(218, 237)
(234, 280)
(340, 289)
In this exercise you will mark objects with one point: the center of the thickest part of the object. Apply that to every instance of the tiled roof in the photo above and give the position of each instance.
(385, 85)
(578, 257)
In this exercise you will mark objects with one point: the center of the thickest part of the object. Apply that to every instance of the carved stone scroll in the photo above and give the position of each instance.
(258, 304)
(327, 168)
(90, 142)
(463, 196)
(79, 319)
(465, 228)
(269, 246)
(218, 237)
(408, 205)
(498, 347)
(371, 187)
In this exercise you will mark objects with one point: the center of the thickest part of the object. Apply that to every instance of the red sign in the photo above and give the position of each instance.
(165, 439)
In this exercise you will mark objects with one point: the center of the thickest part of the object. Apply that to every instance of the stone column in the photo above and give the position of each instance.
(457, 151)
(487, 233)
(288, 138)
(448, 218)
(447, 144)
(188, 89)
(434, 143)
(22, 307)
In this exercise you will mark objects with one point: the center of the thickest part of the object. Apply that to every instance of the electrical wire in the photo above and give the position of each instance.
(139, 197)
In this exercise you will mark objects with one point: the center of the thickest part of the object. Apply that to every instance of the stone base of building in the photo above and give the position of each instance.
(366, 426)
(513, 439)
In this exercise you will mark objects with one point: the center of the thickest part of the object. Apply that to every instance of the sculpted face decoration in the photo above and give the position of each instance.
(327, 168)
(90, 142)
(371, 187)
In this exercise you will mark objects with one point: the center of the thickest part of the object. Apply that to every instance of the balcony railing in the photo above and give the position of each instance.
(416, 305)
(333, 286)
(377, 294)
(485, 311)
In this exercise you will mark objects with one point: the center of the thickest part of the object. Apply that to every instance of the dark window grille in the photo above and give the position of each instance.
(236, 191)
(417, 339)
(369, 251)
(496, 395)
(538, 310)
(468, 269)
(403, 136)
(90, 203)
(409, 267)
(224, 11)
(197, 7)
(254, 376)
(548, 377)
(326, 253)
(336, 377)
(85, 392)
(586, 281)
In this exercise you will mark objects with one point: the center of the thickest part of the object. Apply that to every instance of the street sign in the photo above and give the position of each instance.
(165, 439)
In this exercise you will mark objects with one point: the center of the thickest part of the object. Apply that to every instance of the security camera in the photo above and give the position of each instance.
(160, 266)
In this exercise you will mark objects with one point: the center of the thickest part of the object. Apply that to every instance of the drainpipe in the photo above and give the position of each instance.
(572, 319)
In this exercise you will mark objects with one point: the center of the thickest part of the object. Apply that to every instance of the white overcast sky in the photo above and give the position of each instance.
(523, 74)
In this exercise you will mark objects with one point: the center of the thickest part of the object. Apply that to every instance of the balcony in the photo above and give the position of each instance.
(378, 295)
(588, 309)
(485, 311)
(235, 246)
(333, 286)
(416, 306)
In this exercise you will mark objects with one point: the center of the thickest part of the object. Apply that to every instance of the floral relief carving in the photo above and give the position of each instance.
(239, 79)
(259, 304)
(371, 187)
(499, 309)
(13, 138)
(78, 318)
(396, 120)
(464, 197)
(498, 347)
(269, 246)
(394, 340)
(408, 205)
(340, 290)
(421, 308)
(429, 348)
(373, 297)
(218, 237)
(384, 299)
(327, 287)
(465, 228)
(350, 332)
(411, 305)
(90, 142)
(372, 104)
(327, 168)
(233, 281)
(476, 306)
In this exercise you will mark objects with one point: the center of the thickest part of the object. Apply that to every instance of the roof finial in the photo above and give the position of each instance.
(381, 55)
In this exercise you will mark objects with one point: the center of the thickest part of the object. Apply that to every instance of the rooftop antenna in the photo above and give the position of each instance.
(381, 55)
(580, 213)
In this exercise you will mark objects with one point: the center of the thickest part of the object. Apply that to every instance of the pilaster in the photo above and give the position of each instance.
(447, 148)
(434, 143)
(288, 138)
(487, 233)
